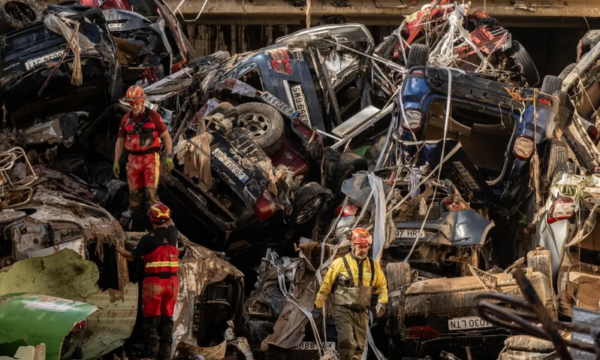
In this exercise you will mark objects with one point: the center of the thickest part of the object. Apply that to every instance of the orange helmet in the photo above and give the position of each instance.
(361, 237)
(159, 213)
(135, 94)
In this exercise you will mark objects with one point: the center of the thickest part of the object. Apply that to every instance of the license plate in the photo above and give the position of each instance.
(30, 64)
(311, 345)
(300, 104)
(229, 164)
(469, 322)
(409, 234)
(278, 104)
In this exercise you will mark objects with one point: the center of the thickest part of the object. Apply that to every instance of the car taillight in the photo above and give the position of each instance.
(265, 207)
(594, 134)
(349, 210)
(412, 121)
(524, 146)
(545, 102)
(417, 72)
(562, 209)
(280, 60)
(423, 332)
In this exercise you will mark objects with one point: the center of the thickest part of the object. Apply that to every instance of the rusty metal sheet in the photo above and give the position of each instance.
(113, 323)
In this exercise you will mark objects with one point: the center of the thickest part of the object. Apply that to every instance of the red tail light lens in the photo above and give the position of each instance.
(349, 210)
(423, 332)
(265, 207)
(454, 206)
(524, 146)
(417, 72)
(545, 102)
(413, 120)
(280, 60)
(562, 209)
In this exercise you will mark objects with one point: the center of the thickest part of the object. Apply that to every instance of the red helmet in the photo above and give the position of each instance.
(135, 94)
(159, 213)
(361, 237)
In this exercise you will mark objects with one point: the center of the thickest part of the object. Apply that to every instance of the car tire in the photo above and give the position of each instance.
(566, 71)
(524, 63)
(263, 123)
(308, 201)
(417, 56)
(30, 8)
(551, 84)
(555, 158)
(350, 163)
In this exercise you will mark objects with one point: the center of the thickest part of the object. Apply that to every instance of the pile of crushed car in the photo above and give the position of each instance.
(471, 179)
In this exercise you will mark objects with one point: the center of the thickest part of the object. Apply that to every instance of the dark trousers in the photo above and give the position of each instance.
(158, 336)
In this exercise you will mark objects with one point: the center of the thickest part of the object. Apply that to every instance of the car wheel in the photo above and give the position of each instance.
(524, 63)
(17, 14)
(308, 201)
(417, 56)
(263, 123)
(350, 163)
(551, 84)
(555, 158)
(566, 71)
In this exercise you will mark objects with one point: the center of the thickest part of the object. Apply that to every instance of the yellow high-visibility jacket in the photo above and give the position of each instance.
(337, 267)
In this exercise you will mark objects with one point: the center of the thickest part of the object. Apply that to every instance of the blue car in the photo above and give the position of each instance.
(500, 129)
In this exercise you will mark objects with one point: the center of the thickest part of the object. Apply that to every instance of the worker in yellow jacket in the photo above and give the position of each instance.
(352, 279)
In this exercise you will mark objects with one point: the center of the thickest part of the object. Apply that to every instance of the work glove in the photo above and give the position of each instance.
(169, 166)
(116, 169)
(380, 309)
(317, 314)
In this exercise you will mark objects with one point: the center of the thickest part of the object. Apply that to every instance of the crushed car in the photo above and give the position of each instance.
(60, 245)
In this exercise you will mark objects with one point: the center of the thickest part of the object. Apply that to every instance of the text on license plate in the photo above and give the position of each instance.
(229, 164)
(311, 345)
(30, 64)
(409, 233)
(469, 322)
(278, 104)
(300, 104)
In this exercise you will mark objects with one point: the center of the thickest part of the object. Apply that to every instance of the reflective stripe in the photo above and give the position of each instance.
(163, 263)
(156, 169)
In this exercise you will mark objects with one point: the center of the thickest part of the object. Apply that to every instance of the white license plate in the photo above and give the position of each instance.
(30, 64)
(311, 345)
(300, 104)
(469, 322)
(229, 164)
(278, 104)
(409, 234)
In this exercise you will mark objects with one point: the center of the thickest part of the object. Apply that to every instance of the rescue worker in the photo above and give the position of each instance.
(140, 132)
(352, 279)
(159, 251)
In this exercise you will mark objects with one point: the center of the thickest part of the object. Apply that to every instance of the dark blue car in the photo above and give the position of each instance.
(499, 128)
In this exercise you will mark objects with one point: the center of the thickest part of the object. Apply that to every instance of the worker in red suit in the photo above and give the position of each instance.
(159, 251)
(140, 133)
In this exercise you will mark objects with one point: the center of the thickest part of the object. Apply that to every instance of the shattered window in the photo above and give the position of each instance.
(251, 76)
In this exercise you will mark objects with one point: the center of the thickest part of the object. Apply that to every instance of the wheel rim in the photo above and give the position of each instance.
(257, 125)
(20, 12)
(310, 210)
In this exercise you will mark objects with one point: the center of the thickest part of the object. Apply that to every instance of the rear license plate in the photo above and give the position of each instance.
(409, 234)
(311, 345)
(229, 164)
(469, 322)
(300, 104)
(42, 59)
(284, 108)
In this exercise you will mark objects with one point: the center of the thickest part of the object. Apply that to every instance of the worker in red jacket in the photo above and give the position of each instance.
(140, 132)
(159, 251)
